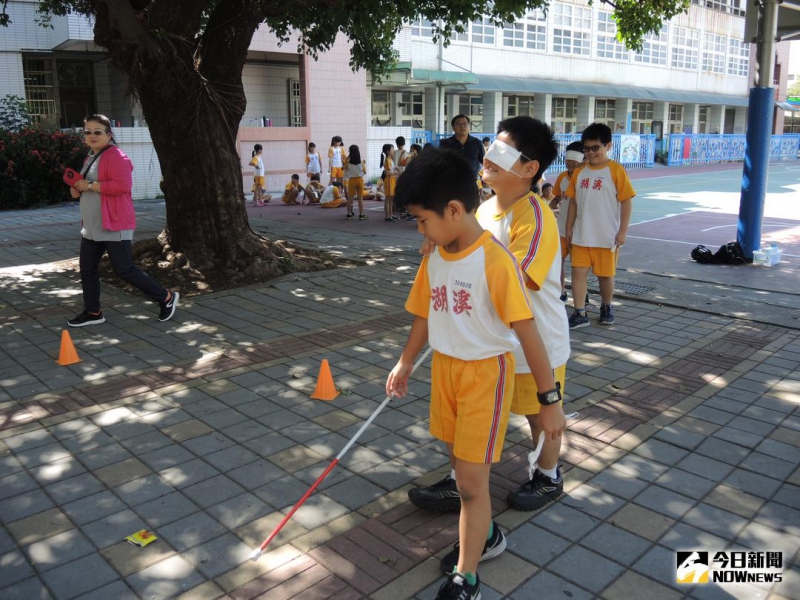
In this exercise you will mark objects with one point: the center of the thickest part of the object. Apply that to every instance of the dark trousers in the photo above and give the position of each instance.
(121, 257)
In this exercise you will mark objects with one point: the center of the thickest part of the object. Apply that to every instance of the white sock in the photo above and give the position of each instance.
(453, 474)
(551, 473)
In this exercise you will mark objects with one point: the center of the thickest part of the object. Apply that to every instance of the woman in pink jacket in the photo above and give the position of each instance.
(108, 222)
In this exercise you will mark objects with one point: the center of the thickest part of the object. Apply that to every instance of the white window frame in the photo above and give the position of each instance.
(675, 120)
(483, 32)
(654, 51)
(472, 106)
(607, 45)
(572, 29)
(564, 114)
(530, 32)
(685, 48)
(714, 53)
(642, 117)
(605, 111)
(412, 109)
(384, 117)
(519, 106)
(295, 104)
(738, 58)
(421, 28)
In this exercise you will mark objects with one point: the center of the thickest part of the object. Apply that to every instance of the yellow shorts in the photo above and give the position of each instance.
(470, 403)
(334, 203)
(388, 185)
(525, 401)
(564, 247)
(602, 261)
(337, 172)
(355, 187)
(258, 180)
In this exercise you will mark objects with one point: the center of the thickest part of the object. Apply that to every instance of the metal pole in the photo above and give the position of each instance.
(759, 133)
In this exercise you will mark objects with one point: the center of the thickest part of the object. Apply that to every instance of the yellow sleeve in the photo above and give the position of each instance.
(419, 298)
(572, 183)
(336, 195)
(622, 182)
(254, 161)
(506, 288)
(557, 185)
(534, 240)
(330, 152)
(308, 160)
(288, 186)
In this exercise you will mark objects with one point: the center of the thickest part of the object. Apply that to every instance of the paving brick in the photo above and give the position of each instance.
(30, 589)
(166, 509)
(768, 466)
(116, 590)
(546, 585)
(15, 568)
(212, 491)
(630, 585)
(165, 579)
(616, 544)
(349, 572)
(238, 511)
(706, 468)
(566, 521)
(752, 483)
(586, 568)
(113, 528)
(734, 500)
(38, 527)
(683, 536)
(78, 577)
(641, 521)
(24, 505)
(714, 520)
(593, 501)
(639, 467)
(186, 430)
(104, 456)
(681, 437)
(191, 531)
(128, 559)
(18, 483)
(188, 473)
(122, 472)
(535, 544)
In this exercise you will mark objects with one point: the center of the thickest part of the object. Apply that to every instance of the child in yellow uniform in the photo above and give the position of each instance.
(336, 158)
(573, 159)
(389, 182)
(469, 303)
(332, 197)
(355, 169)
(597, 222)
(258, 176)
(294, 191)
(314, 189)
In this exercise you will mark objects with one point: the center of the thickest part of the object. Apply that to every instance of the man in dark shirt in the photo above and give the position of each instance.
(470, 147)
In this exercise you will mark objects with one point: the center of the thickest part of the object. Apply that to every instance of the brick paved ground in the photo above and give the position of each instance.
(201, 429)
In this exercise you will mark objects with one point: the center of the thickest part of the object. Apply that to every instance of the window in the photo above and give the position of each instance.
(472, 106)
(40, 93)
(412, 109)
(295, 104)
(738, 58)
(519, 106)
(422, 28)
(530, 32)
(654, 50)
(642, 117)
(685, 45)
(483, 31)
(714, 53)
(605, 112)
(572, 29)
(607, 44)
(702, 120)
(565, 114)
(675, 118)
(381, 107)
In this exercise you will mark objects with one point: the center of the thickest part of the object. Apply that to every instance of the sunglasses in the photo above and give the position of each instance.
(87, 132)
(594, 148)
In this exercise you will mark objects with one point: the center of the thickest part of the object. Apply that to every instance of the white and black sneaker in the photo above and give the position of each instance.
(458, 588)
(494, 547)
(87, 318)
(537, 491)
(168, 308)
(441, 496)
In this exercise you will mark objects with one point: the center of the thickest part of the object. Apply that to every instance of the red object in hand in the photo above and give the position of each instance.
(71, 176)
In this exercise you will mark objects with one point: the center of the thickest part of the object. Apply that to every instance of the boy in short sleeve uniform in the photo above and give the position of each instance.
(470, 299)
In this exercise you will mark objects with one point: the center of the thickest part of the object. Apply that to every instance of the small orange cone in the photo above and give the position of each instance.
(68, 354)
(325, 389)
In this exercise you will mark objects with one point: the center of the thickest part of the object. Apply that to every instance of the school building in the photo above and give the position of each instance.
(564, 67)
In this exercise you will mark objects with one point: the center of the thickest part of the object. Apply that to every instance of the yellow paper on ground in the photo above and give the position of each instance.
(142, 538)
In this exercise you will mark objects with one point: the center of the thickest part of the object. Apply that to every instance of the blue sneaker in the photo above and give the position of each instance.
(578, 320)
(606, 314)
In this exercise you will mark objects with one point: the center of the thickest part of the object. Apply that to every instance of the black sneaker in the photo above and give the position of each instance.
(494, 547)
(362, 217)
(349, 216)
(442, 495)
(606, 314)
(578, 320)
(168, 308)
(458, 588)
(563, 296)
(537, 491)
(87, 318)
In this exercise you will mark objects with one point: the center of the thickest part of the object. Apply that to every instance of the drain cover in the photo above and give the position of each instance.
(633, 289)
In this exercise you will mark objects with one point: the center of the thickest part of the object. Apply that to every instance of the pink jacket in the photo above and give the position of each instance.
(114, 174)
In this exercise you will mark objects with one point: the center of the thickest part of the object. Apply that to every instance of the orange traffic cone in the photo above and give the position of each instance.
(325, 389)
(68, 354)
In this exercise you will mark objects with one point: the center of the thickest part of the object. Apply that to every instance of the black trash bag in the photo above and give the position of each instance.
(729, 254)
(702, 255)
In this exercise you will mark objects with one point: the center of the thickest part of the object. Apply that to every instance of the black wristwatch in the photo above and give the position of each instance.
(551, 397)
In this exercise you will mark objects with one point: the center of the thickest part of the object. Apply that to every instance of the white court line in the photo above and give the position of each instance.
(762, 226)
(638, 237)
(664, 217)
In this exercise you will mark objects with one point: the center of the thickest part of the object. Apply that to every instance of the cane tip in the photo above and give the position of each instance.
(255, 554)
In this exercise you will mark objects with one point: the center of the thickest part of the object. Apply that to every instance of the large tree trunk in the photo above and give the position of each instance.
(190, 90)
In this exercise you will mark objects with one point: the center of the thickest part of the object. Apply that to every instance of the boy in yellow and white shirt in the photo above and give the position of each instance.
(597, 222)
(469, 302)
(573, 159)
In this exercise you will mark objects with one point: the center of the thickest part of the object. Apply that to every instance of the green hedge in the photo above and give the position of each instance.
(32, 163)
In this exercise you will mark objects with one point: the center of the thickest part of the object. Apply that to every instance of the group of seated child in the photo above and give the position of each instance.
(331, 196)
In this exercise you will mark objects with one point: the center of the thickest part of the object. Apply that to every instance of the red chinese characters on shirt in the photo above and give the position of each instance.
(461, 302)
(598, 184)
(585, 184)
(439, 298)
